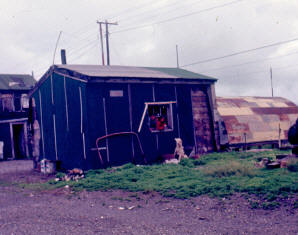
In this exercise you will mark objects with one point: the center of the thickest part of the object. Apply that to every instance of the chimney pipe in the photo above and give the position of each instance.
(63, 56)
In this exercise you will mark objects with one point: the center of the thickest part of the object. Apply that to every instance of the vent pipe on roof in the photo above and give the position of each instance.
(63, 56)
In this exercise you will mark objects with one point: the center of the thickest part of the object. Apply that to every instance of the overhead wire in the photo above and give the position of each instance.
(240, 52)
(177, 17)
(87, 39)
(267, 70)
(85, 49)
(249, 62)
(153, 10)
(131, 9)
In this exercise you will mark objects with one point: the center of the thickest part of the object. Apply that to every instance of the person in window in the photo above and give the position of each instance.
(161, 123)
(152, 122)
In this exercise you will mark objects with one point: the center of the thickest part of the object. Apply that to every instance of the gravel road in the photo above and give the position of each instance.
(60, 211)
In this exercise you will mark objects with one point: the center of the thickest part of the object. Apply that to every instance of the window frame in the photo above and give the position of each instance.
(8, 102)
(170, 115)
(24, 101)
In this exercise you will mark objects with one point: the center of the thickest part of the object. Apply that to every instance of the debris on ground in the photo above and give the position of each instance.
(282, 161)
(72, 175)
(173, 161)
(262, 163)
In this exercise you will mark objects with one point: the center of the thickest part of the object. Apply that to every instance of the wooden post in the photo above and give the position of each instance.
(279, 132)
(36, 137)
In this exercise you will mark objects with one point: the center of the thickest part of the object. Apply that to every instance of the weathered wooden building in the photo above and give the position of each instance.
(93, 116)
(14, 105)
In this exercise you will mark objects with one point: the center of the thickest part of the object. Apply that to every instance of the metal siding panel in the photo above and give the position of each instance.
(95, 124)
(74, 148)
(47, 120)
(262, 124)
(38, 117)
(141, 93)
(202, 119)
(117, 111)
(167, 139)
(185, 116)
(5, 137)
(60, 116)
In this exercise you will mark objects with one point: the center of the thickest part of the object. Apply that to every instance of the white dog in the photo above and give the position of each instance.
(179, 150)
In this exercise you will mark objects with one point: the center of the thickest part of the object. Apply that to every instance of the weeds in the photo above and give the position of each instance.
(219, 174)
(293, 165)
(229, 169)
(264, 205)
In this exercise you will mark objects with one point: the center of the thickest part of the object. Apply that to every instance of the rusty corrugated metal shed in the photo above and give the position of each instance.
(257, 118)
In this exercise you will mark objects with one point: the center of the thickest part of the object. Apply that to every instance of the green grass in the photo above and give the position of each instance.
(216, 174)
(293, 165)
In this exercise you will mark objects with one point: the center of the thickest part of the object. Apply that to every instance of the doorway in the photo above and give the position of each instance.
(19, 141)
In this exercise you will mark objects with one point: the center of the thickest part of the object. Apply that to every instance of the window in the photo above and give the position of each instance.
(159, 115)
(7, 102)
(25, 101)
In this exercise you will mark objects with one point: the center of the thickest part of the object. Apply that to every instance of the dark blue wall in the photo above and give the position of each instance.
(69, 139)
(6, 138)
(123, 114)
(185, 117)
(122, 148)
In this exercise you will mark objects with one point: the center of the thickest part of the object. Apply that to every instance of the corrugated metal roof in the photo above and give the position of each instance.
(132, 72)
(259, 118)
(16, 82)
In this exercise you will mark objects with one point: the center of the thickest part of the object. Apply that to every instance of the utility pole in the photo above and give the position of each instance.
(56, 47)
(177, 56)
(107, 38)
(101, 43)
(271, 81)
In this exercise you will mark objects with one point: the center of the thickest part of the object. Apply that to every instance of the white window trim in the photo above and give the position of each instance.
(156, 103)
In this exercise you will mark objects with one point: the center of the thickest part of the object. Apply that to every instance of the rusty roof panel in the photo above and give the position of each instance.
(257, 119)
(277, 111)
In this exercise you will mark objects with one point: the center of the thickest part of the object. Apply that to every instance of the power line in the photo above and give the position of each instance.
(154, 10)
(88, 39)
(82, 47)
(266, 71)
(87, 48)
(249, 62)
(178, 17)
(131, 9)
(240, 52)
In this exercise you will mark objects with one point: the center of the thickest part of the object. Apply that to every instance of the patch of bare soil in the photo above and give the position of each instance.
(60, 211)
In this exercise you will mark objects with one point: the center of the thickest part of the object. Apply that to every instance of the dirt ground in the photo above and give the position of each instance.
(25, 211)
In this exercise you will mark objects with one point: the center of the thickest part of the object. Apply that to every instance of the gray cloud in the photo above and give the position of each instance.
(30, 29)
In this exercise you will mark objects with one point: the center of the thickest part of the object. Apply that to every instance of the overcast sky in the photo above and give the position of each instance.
(148, 32)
